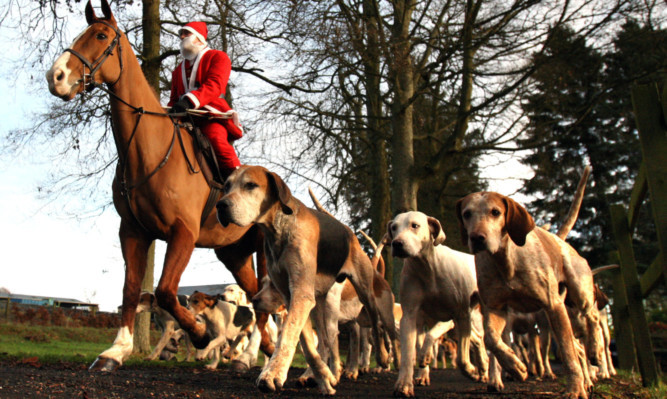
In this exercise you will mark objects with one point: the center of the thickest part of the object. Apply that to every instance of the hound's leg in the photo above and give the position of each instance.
(562, 329)
(494, 324)
(323, 376)
(426, 352)
(167, 334)
(135, 252)
(404, 385)
(351, 370)
(423, 374)
(301, 302)
(464, 329)
(366, 348)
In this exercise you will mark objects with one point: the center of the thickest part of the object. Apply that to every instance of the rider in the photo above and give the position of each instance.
(200, 82)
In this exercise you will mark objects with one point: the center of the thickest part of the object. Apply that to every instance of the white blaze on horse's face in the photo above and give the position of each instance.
(62, 83)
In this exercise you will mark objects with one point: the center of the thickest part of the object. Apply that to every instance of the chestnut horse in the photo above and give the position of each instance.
(158, 193)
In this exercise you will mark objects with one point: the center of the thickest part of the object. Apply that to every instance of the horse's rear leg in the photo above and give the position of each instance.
(180, 245)
(135, 252)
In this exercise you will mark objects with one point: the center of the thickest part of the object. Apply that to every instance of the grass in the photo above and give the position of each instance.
(81, 345)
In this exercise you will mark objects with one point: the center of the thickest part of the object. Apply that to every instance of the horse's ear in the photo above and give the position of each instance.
(106, 10)
(90, 13)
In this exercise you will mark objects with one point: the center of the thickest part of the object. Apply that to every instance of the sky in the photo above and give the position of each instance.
(48, 252)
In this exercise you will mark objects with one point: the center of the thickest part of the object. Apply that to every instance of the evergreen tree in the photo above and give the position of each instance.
(581, 113)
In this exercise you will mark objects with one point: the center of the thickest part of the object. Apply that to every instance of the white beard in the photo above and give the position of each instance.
(190, 49)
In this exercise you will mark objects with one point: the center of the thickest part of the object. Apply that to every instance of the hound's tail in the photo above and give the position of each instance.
(576, 204)
(603, 268)
(377, 261)
(318, 206)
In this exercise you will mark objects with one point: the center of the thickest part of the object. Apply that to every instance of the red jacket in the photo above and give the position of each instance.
(206, 85)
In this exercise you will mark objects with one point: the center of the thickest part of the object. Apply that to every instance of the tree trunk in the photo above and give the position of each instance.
(151, 67)
(403, 184)
(379, 170)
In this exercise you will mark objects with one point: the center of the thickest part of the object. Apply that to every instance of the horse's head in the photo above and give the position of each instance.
(95, 56)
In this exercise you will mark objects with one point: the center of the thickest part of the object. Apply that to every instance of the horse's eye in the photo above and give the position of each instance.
(101, 36)
(495, 212)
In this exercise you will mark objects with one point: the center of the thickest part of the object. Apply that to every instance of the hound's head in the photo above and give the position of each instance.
(199, 302)
(147, 302)
(485, 218)
(234, 294)
(410, 233)
(252, 195)
(268, 299)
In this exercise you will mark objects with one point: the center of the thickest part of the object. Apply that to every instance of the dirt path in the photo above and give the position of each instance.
(28, 378)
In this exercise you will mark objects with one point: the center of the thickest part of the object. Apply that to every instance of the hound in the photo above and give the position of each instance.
(307, 251)
(526, 268)
(437, 284)
(171, 331)
(227, 324)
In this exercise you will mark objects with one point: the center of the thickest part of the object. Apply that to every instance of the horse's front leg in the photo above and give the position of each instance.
(180, 245)
(135, 252)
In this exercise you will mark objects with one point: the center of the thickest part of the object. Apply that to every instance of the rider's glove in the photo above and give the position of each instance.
(181, 106)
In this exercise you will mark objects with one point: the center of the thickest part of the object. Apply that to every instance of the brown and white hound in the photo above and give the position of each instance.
(527, 268)
(307, 252)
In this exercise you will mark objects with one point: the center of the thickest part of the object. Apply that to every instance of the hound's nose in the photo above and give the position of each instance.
(477, 241)
(222, 207)
(398, 248)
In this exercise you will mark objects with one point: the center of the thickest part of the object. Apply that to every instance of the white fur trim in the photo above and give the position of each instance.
(194, 32)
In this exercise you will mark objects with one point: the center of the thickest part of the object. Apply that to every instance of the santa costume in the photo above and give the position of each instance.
(200, 82)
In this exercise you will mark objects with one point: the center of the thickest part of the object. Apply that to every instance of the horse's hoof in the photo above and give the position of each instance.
(238, 367)
(104, 364)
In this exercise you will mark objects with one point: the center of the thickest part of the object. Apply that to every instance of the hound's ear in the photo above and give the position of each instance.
(90, 13)
(389, 236)
(282, 191)
(517, 221)
(462, 228)
(437, 233)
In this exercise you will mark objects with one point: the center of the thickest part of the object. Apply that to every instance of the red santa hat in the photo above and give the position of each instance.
(198, 29)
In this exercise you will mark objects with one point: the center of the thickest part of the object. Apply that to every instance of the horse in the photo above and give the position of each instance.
(157, 190)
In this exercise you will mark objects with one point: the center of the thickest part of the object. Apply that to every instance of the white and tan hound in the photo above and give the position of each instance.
(307, 251)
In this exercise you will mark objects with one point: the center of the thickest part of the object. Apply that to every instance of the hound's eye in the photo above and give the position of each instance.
(495, 212)
(226, 187)
(467, 214)
(250, 185)
(393, 227)
(414, 226)
(101, 36)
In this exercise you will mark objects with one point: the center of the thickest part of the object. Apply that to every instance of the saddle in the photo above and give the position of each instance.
(208, 164)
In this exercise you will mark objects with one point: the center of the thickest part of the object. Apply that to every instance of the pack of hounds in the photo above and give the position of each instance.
(492, 312)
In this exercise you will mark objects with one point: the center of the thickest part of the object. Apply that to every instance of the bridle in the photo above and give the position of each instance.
(97, 63)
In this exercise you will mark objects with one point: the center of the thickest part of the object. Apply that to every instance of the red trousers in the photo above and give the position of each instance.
(217, 135)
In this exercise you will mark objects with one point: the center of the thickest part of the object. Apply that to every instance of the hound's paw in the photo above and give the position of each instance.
(495, 386)
(404, 391)
(104, 364)
(304, 382)
(268, 385)
(351, 374)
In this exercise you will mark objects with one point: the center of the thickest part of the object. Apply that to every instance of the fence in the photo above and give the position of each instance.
(632, 333)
